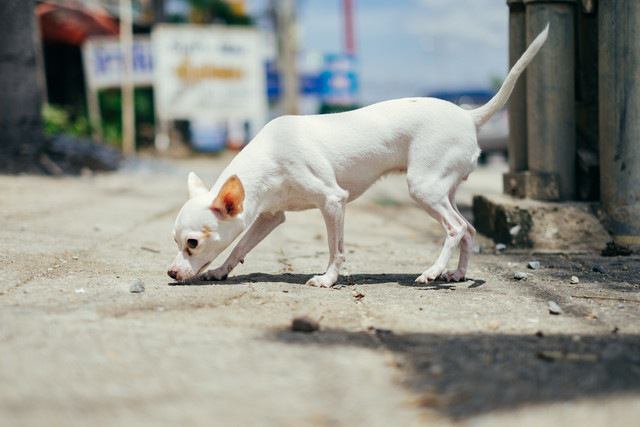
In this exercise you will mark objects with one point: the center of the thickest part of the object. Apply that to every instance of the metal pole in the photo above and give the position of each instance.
(518, 103)
(619, 116)
(551, 123)
(287, 46)
(126, 46)
(349, 39)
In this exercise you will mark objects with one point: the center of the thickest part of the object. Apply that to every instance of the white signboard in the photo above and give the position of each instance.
(209, 73)
(103, 62)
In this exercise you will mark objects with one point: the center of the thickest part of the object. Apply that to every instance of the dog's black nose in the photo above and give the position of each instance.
(173, 274)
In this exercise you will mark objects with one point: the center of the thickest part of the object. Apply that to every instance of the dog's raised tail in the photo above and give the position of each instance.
(482, 114)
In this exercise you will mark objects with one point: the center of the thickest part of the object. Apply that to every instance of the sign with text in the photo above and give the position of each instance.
(103, 62)
(209, 72)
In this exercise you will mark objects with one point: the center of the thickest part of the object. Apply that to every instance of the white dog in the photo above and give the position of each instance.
(326, 161)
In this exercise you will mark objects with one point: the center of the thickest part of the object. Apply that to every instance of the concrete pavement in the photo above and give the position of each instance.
(76, 347)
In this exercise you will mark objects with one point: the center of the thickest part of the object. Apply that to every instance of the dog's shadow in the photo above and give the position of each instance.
(403, 279)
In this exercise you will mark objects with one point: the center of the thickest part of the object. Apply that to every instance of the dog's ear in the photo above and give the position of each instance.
(196, 186)
(228, 202)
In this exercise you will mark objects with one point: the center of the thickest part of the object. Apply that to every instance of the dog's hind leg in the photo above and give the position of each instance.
(466, 246)
(432, 193)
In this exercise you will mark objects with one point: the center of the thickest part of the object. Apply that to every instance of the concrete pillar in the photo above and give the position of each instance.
(517, 106)
(619, 116)
(551, 129)
(21, 140)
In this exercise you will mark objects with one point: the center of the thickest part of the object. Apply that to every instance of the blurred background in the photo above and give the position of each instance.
(176, 76)
(88, 83)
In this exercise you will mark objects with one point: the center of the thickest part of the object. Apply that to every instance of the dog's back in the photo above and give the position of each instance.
(361, 145)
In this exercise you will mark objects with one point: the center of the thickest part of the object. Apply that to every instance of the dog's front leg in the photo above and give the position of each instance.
(261, 227)
(333, 214)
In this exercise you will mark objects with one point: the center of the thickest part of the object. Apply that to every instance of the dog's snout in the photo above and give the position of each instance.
(173, 273)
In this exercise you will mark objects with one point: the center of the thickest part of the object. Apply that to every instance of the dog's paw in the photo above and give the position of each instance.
(215, 275)
(429, 276)
(453, 276)
(322, 281)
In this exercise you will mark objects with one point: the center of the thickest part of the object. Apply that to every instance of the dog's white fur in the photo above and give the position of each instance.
(326, 161)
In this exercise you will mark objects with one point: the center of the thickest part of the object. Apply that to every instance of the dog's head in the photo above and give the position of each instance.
(206, 226)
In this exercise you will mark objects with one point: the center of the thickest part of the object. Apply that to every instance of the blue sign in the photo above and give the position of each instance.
(337, 84)
(104, 66)
(309, 83)
(339, 80)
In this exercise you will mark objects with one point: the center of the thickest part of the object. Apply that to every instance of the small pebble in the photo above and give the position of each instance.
(80, 291)
(554, 308)
(380, 331)
(304, 324)
(574, 280)
(436, 370)
(74, 258)
(500, 246)
(136, 287)
(520, 275)
(493, 325)
(533, 265)
(599, 269)
(358, 295)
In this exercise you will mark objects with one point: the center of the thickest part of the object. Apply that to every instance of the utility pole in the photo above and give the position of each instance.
(21, 139)
(349, 39)
(285, 22)
(126, 46)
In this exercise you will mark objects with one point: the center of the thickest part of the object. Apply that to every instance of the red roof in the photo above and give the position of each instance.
(71, 22)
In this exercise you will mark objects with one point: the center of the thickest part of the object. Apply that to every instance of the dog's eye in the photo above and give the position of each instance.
(192, 243)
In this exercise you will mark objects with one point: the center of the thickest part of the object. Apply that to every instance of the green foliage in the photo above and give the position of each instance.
(330, 108)
(57, 120)
(111, 109)
(207, 11)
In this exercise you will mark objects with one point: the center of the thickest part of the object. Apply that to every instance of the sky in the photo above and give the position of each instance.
(411, 47)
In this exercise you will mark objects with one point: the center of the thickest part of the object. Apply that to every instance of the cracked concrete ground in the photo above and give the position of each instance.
(77, 348)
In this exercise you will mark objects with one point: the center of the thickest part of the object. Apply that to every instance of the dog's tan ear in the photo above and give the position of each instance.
(196, 186)
(229, 201)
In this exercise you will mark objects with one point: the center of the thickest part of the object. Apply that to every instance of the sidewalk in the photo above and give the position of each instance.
(77, 348)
